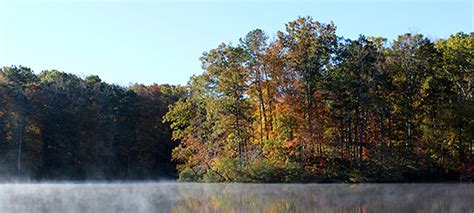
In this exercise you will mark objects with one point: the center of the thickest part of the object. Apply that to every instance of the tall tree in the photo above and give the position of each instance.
(309, 45)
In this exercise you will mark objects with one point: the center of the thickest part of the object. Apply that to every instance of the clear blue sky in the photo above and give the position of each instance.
(161, 41)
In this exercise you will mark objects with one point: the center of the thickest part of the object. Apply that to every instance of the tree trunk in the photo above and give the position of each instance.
(110, 145)
(350, 138)
(20, 140)
(262, 107)
(382, 136)
(361, 137)
(408, 106)
(237, 126)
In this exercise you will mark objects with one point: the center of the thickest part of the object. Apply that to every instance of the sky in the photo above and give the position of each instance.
(146, 41)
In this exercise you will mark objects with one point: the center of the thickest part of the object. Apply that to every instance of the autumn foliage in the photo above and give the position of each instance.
(309, 105)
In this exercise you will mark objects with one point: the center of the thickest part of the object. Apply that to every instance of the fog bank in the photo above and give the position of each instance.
(198, 197)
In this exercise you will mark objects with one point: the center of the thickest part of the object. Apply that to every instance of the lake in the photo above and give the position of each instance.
(200, 197)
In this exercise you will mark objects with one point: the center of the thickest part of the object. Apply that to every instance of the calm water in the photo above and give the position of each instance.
(194, 197)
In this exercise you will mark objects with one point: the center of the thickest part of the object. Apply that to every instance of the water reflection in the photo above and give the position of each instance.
(327, 198)
(193, 197)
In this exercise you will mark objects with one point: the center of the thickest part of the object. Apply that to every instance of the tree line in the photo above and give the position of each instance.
(55, 125)
(305, 106)
(309, 105)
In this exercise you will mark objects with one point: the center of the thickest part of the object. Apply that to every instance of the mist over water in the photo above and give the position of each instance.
(198, 197)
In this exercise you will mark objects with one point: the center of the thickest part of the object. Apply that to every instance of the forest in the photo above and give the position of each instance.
(57, 126)
(305, 106)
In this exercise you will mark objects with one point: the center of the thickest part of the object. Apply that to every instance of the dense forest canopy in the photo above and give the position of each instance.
(56, 125)
(309, 105)
(305, 106)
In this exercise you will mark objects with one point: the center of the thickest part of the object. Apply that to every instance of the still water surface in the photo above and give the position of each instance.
(196, 197)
